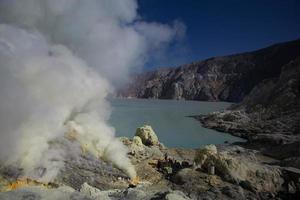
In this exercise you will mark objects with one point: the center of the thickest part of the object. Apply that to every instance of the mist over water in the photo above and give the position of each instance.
(59, 59)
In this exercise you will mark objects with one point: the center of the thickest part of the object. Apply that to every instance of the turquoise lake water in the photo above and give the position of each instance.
(169, 120)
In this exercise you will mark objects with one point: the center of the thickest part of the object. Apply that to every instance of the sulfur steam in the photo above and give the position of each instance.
(59, 59)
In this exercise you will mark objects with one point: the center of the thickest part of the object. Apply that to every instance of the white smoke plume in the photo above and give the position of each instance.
(59, 59)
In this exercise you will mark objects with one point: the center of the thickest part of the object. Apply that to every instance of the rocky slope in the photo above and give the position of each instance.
(228, 78)
(269, 117)
(223, 172)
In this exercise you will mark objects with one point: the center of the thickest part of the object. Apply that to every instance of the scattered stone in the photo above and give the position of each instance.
(39, 193)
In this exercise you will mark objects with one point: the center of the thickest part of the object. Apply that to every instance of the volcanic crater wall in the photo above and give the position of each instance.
(227, 78)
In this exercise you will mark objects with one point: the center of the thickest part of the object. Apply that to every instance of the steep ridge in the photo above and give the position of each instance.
(227, 78)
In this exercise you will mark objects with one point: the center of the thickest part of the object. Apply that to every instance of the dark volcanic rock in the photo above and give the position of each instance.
(228, 78)
(269, 117)
(272, 108)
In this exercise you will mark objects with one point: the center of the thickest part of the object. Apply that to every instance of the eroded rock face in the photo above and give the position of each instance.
(203, 154)
(228, 78)
(200, 185)
(239, 165)
(136, 145)
(147, 135)
(268, 117)
(136, 140)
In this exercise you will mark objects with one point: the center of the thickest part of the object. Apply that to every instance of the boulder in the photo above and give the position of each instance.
(136, 140)
(147, 135)
(237, 166)
(203, 153)
(136, 145)
(90, 191)
(97, 194)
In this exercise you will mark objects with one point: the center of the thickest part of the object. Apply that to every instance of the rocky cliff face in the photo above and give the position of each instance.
(272, 107)
(228, 78)
(269, 117)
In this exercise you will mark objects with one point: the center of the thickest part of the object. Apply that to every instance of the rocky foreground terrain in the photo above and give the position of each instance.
(223, 172)
(227, 78)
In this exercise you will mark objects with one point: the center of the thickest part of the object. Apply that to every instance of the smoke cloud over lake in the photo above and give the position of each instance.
(59, 61)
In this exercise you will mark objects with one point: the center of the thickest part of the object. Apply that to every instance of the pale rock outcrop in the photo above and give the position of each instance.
(141, 192)
(240, 166)
(136, 140)
(176, 195)
(136, 145)
(202, 154)
(147, 135)
(93, 192)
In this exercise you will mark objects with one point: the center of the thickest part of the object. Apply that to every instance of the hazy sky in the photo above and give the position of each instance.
(218, 27)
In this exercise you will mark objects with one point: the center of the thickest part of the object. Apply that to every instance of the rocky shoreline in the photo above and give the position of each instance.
(269, 117)
(226, 171)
